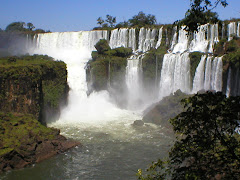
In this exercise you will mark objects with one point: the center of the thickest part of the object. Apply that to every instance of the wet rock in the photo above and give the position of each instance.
(138, 123)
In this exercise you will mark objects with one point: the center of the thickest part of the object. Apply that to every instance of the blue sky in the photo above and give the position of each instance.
(76, 15)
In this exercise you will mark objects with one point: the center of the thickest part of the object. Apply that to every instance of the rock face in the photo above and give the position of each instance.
(167, 108)
(32, 89)
(34, 85)
(24, 141)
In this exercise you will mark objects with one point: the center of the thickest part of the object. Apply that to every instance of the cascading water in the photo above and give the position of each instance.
(132, 39)
(231, 30)
(109, 140)
(208, 75)
(133, 81)
(199, 42)
(175, 74)
(119, 38)
(228, 90)
(159, 38)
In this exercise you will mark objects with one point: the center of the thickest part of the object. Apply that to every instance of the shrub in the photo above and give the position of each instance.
(102, 46)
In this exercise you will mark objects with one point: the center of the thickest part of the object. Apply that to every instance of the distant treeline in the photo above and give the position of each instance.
(22, 27)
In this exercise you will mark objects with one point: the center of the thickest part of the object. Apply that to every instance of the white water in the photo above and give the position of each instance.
(182, 43)
(231, 30)
(228, 90)
(159, 38)
(134, 82)
(119, 38)
(208, 75)
(74, 48)
(175, 74)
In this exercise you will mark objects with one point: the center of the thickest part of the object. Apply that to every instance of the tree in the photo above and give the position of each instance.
(100, 21)
(16, 26)
(195, 16)
(111, 20)
(142, 19)
(209, 146)
(30, 26)
(102, 46)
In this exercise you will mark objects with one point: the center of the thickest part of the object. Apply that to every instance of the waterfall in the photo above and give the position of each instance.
(228, 90)
(133, 81)
(174, 39)
(175, 74)
(182, 44)
(213, 37)
(199, 42)
(119, 38)
(198, 81)
(208, 69)
(159, 38)
(238, 29)
(223, 30)
(208, 76)
(109, 75)
(231, 30)
(141, 39)
(132, 39)
(74, 48)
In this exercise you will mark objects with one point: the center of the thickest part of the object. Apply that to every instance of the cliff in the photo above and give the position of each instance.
(25, 141)
(32, 90)
(34, 85)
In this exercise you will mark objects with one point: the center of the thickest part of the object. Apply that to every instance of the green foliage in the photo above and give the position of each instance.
(39, 31)
(124, 24)
(46, 78)
(23, 27)
(233, 58)
(196, 17)
(208, 146)
(18, 130)
(111, 20)
(102, 46)
(200, 14)
(219, 47)
(30, 26)
(231, 52)
(142, 19)
(100, 21)
(16, 26)
(232, 46)
(107, 66)
(122, 52)
(195, 58)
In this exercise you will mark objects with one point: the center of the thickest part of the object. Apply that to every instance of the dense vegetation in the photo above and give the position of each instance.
(23, 27)
(106, 70)
(32, 83)
(18, 130)
(139, 20)
(208, 145)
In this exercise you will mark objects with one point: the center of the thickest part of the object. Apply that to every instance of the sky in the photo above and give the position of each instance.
(77, 15)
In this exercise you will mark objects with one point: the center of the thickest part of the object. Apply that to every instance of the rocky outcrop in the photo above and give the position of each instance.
(32, 89)
(167, 108)
(24, 141)
(34, 85)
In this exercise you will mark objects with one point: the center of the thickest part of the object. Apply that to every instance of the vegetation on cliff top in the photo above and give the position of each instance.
(208, 145)
(46, 78)
(24, 141)
(20, 130)
(107, 66)
(23, 27)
